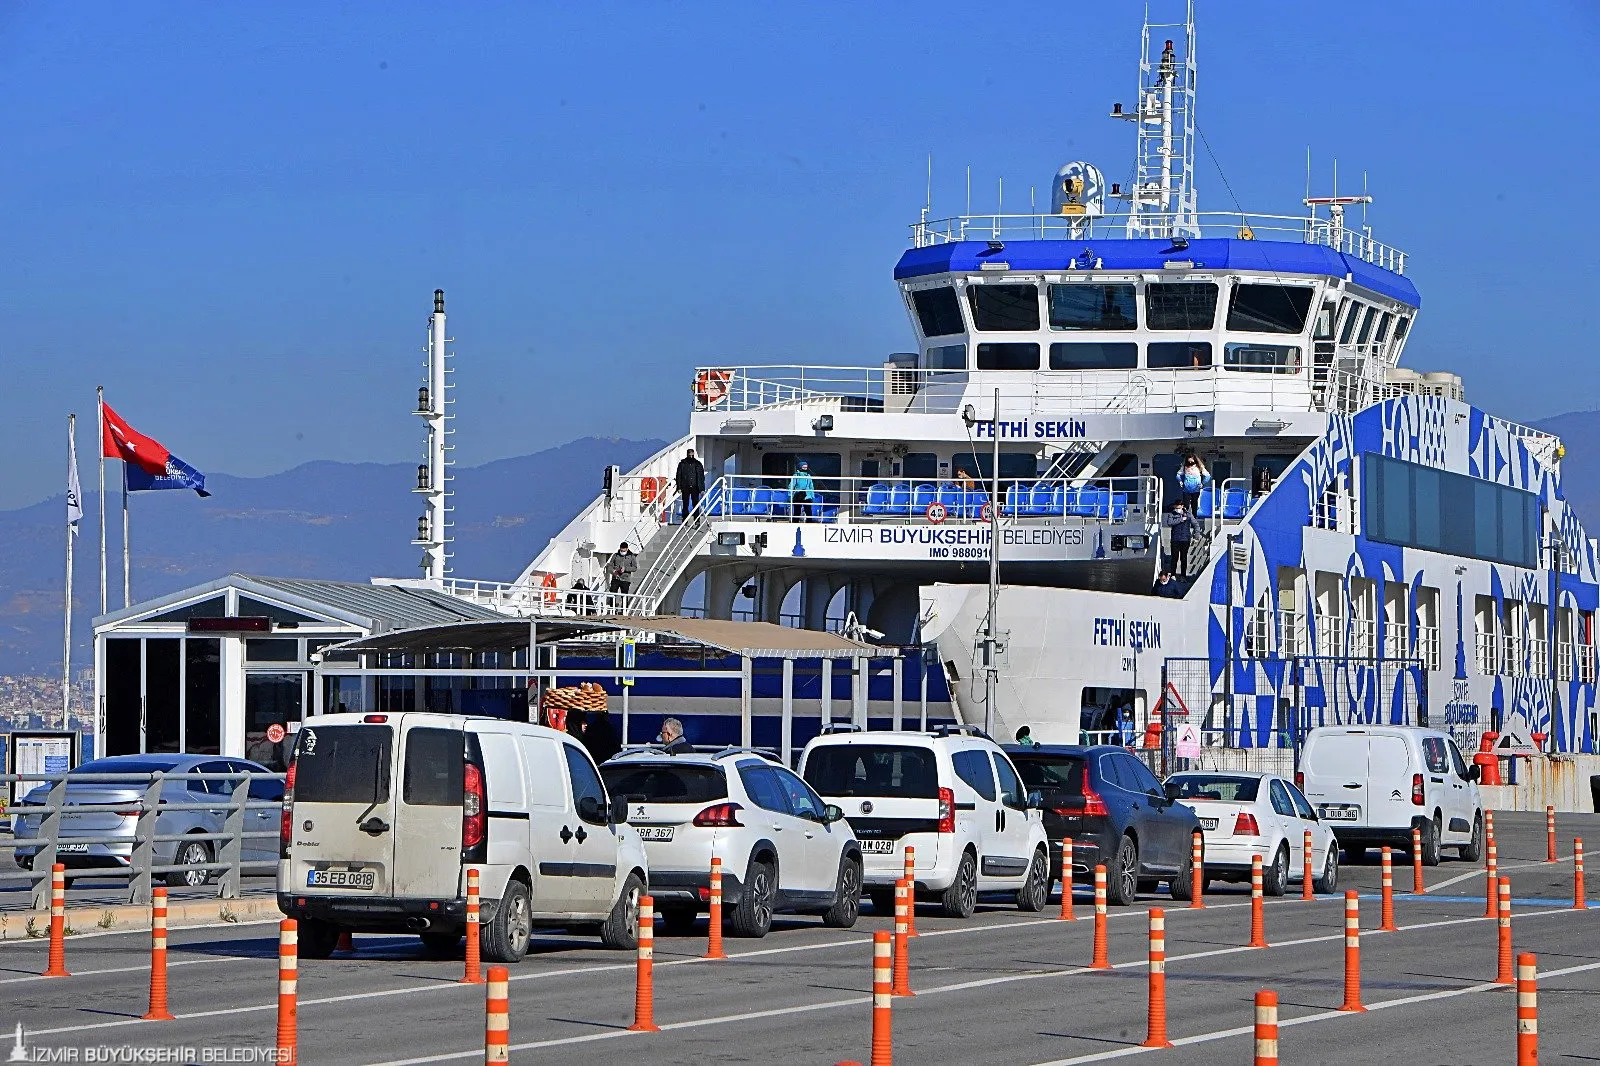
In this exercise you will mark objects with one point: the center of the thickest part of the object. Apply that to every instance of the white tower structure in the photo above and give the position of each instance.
(1161, 202)
(433, 476)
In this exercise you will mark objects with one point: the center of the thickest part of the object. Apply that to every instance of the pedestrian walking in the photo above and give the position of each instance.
(1182, 524)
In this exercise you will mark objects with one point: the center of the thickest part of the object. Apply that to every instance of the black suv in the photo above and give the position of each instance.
(1116, 813)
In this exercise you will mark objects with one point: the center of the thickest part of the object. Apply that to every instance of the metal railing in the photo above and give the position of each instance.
(1239, 225)
(755, 497)
(523, 600)
(230, 866)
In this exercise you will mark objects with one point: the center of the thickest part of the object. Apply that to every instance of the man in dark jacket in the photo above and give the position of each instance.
(671, 737)
(691, 479)
(1183, 531)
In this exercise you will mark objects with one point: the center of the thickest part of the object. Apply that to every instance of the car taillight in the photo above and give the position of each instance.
(1300, 780)
(474, 816)
(286, 817)
(1417, 796)
(1094, 805)
(947, 811)
(1245, 825)
(720, 816)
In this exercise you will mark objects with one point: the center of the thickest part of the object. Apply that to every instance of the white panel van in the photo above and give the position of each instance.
(1373, 784)
(385, 813)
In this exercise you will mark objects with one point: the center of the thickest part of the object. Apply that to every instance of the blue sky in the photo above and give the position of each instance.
(234, 216)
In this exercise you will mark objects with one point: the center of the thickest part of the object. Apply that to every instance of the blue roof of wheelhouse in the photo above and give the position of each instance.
(1282, 257)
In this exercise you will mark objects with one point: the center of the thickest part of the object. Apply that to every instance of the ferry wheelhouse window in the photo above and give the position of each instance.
(1008, 356)
(1082, 306)
(938, 311)
(1262, 358)
(1005, 308)
(946, 357)
(1421, 507)
(1178, 355)
(1180, 305)
(1093, 355)
(1269, 308)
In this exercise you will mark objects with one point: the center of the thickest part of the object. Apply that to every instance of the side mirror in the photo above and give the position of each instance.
(589, 810)
(832, 813)
(1036, 801)
(1474, 772)
(619, 810)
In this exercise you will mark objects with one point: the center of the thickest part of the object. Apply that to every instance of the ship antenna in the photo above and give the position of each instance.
(433, 476)
(1162, 199)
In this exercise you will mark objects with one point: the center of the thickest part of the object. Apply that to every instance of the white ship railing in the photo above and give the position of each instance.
(762, 498)
(1305, 229)
(523, 600)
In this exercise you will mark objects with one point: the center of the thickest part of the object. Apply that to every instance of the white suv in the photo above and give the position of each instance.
(782, 848)
(954, 795)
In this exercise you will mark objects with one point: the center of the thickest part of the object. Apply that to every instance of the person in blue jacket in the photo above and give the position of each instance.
(802, 492)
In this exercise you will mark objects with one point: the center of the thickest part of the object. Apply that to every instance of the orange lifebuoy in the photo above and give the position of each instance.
(549, 585)
(650, 490)
(711, 387)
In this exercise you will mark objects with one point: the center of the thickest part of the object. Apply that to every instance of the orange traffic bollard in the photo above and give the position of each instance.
(1527, 1010)
(1066, 881)
(1386, 924)
(714, 935)
(1197, 871)
(288, 991)
(58, 923)
(1352, 952)
(1156, 1025)
(1307, 889)
(882, 1000)
(1266, 1028)
(497, 1017)
(1504, 976)
(1549, 834)
(910, 874)
(346, 942)
(1102, 958)
(1580, 898)
(644, 994)
(902, 942)
(1417, 884)
(1491, 905)
(474, 969)
(1258, 919)
(158, 1011)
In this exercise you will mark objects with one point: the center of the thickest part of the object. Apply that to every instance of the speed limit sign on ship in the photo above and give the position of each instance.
(936, 512)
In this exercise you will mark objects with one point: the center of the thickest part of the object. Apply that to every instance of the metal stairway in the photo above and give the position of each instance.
(663, 566)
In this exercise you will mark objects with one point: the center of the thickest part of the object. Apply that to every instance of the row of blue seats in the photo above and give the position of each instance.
(1044, 498)
(767, 501)
(1229, 503)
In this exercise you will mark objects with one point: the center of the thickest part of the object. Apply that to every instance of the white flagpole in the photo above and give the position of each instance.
(127, 577)
(100, 448)
(74, 510)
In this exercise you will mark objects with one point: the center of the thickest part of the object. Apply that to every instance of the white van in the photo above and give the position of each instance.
(1373, 784)
(384, 814)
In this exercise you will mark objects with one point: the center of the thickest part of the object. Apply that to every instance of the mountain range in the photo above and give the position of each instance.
(339, 521)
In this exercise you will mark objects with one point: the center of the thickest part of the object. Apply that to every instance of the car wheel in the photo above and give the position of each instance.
(961, 898)
(1474, 851)
(1124, 885)
(1430, 841)
(440, 945)
(847, 897)
(620, 930)
(190, 853)
(1276, 881)
(1329, 881)
(753, 916)
(678, 921)
(316, 938)
(1182, 884)
(1035, 891)
(505, 939)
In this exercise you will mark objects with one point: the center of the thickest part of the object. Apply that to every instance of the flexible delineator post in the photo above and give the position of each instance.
(1387, 925)
(288, 991)
(1102, 959)
(1527, 1010)
(1066, 881)
(1156, 1020)
(1197, 871)
(1266, 1028)
(497, 1017)
(882, 1001)
(158, 1011)
(57, 966)
(1580, 897)
(1307, 889)
(473, 974)
(910, 873)
(1417, 884)
(1258, 918)
(1352, 952)
(1504, 974)
(644, 997)
(902, 941)
(714, 936)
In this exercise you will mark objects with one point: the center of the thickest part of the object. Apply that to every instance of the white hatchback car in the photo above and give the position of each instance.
(954, 796)
(1243, 815)
(782, 848)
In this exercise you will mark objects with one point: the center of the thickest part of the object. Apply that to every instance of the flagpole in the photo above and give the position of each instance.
(100, 447)
(127, 577)
(72, 535)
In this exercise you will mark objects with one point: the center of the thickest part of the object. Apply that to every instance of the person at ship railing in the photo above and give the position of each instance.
(1191, 479)
(1181, 520)
(622, 567)
(802, 492)
(1167, 585)
(964, 480)
(691, 479)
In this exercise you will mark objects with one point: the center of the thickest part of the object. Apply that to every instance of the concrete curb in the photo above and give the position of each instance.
(124, 917)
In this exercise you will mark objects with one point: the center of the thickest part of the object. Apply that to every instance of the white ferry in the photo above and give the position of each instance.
(1367, 545)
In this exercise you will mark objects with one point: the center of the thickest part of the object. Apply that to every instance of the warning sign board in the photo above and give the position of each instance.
(1186, 742)
(1512, 743)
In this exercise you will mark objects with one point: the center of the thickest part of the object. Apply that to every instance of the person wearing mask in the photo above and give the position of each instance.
(1166, 585)
(1183, 530)
(671, 737)
(802, 492)
(691, 479)
(1193, 477)
(622, 568)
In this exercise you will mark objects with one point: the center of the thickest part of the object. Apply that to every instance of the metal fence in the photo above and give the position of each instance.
(132, 852)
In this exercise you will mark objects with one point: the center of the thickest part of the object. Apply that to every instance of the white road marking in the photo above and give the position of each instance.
(41, 941)
(1482, 871)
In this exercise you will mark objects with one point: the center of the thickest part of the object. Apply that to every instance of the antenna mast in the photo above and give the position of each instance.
(1162, 201)
(433, 476)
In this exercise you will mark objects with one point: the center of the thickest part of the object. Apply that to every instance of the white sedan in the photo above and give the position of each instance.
(1247, 814)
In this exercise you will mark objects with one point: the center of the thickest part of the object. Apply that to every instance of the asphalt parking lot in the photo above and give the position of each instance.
(1004, 988)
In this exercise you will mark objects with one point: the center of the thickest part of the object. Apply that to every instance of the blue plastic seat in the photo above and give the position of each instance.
(900, 499)
(877, 499)
(1207, 507)
(921, 497)
(1039, 498)
(742, 499)
(766, 497)
(950, 495)
(973, 503)
(1058, 500)
(713, 501)
(1015, 498)
(1234, 503)
(1119, 506)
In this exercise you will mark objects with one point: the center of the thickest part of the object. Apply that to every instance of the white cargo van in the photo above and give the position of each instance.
(384, 814)
(1373, 784)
